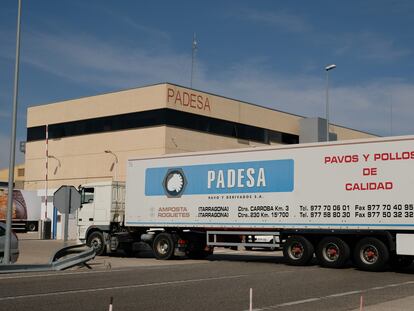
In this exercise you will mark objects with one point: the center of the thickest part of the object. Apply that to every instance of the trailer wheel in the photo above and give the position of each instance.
(333, 252)
(371, 254)
(163, 246)
(97, 241)
(298, 251)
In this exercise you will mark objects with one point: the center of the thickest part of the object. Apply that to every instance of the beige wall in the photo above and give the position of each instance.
(179, 140)
(346, 133)
(19, 175)
(140, 99)
(82, 159)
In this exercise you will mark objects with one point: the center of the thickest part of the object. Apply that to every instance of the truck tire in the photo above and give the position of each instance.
(371, 254)
(298, 251)
(97, 241)
(163, 246)
(333, 252)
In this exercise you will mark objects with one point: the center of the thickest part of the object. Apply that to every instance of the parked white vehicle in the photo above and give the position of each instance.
(14, 244)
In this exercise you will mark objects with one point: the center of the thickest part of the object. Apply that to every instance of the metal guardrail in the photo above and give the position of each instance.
(64, 258)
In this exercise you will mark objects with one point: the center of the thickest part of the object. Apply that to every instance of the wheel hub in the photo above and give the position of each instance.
(370, 254)
(331, 252)
(96, 243)
(297, 251)
(163, 247)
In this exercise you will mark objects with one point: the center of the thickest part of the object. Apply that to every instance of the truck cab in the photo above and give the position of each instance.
(102, 210)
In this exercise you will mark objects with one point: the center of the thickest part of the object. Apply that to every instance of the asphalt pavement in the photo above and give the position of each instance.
(221, 282)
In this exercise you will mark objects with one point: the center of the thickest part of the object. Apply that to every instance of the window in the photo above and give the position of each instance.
(156, 117)
(87, 195)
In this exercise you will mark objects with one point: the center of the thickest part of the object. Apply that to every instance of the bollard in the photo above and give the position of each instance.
(40, 230)
(251, 300)
(361, 303)
(110, 303)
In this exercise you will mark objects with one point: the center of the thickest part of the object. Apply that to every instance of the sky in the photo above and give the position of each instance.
(270, 53)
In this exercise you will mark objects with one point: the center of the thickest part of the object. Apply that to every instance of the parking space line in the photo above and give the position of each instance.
(91, 290)
(343, 294)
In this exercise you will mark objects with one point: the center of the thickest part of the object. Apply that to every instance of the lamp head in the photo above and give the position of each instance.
(330, 67)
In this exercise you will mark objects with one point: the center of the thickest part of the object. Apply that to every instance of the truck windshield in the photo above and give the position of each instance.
(87, 195)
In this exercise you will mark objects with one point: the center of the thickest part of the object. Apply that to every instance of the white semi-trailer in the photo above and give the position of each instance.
(337, 201)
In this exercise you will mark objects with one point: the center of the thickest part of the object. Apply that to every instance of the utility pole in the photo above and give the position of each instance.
(391, 118)
(193, 56)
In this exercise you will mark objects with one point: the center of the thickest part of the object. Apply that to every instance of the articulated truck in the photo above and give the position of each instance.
(336, 201)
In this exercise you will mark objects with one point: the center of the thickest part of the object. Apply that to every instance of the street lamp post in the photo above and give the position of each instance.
(116, 163)
(9, 212)
(327, 69)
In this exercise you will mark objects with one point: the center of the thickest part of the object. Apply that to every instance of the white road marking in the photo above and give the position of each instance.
(351, 293)
(24, 276)
(69, 292)
(126, 268)
(298, 302)
(343, 294)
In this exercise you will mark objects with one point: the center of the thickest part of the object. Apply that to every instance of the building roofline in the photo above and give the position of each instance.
(268, 108)
(100, 94)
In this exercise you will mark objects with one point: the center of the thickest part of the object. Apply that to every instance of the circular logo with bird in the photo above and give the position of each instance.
(174, 182)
